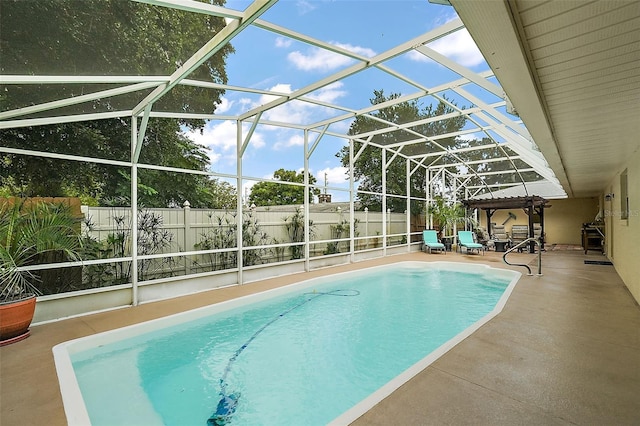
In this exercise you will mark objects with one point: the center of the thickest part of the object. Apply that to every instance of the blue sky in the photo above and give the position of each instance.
(269, 61)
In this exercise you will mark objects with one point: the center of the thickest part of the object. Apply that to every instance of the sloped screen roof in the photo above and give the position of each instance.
(173, 74)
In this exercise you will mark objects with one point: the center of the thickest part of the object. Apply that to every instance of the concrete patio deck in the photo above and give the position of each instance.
(565, 350)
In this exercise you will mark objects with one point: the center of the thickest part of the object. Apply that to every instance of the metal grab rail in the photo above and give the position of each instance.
(528, 240)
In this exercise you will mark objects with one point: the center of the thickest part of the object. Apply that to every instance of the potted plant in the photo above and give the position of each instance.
(29, 234)
(447, 214)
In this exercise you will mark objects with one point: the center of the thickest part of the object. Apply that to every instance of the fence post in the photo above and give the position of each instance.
(366, 226)
(188, 240)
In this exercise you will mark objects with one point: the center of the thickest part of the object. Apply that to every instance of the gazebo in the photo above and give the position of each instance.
(531, 205)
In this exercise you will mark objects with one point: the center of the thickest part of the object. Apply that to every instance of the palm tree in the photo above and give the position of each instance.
(447, 214)
(31, 234)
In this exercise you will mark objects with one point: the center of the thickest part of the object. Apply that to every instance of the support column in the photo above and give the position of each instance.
(530, 211)
(134, 212)
(239, 206)
(489, 227)
(408, 208)
(305, 210)
(384, 202)
(188, 238)
(428, 218)
(352, 232)
(542, 235)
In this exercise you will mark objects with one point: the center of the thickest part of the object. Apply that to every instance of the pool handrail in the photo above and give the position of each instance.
(520, 244)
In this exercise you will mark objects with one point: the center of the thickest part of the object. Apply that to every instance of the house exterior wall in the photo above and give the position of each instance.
(563, 221)
(623, 235)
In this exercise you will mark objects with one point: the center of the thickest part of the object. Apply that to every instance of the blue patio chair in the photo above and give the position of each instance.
(465, 239)
(430, 240)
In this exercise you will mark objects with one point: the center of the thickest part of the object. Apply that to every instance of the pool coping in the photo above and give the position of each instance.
(73, 402)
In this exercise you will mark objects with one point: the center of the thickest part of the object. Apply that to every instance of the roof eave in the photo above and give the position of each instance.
(494, 28)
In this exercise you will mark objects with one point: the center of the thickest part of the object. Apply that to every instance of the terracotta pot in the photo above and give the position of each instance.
(15, 318)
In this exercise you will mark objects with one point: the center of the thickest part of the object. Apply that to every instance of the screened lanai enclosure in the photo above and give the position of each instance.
(213, 144)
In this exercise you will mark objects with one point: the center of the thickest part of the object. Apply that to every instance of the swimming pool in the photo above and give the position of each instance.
(321, 351)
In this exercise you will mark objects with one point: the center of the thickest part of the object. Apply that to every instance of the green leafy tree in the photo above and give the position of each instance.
(368, 167)
(277, 194)
(106, 37)
(223, 194)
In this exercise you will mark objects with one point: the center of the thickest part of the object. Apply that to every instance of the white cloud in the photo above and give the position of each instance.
(220, 140)
(416, 56)
(246, 189)
(224, 106)
(298, 111)
(460, 47)
(220, 137)
(336, 176)
(283, 88)
(362, 51)
(283, 42)
(245, 102)
(319, 59)
(329, 93)
(304, 7)
(294, 140)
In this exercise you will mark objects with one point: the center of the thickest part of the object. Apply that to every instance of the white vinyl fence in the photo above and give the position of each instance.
(188, 226)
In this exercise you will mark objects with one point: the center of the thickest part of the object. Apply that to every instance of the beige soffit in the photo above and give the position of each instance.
(572, 71)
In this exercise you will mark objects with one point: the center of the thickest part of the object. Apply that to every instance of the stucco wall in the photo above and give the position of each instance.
(624, 234)
(563, 220)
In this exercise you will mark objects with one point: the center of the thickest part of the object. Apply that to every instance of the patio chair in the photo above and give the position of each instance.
(502, 242)
(430, 240)
(465, 239)
(519, 233)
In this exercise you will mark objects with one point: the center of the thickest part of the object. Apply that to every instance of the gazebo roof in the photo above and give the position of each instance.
(506, 203)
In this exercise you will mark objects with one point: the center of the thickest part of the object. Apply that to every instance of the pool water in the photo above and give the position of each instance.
(303, 357)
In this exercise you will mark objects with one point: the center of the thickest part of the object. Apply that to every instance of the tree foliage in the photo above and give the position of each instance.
(368, 167)
(107, 37)
(446, 214)
(277, 194)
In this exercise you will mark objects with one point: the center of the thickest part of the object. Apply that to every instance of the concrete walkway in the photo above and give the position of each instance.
(565, 350)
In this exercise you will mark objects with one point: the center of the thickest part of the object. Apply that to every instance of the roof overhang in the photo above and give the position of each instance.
(571, 71)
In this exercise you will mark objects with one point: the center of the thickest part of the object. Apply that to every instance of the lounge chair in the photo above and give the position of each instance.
(465, 239)
(430, 240)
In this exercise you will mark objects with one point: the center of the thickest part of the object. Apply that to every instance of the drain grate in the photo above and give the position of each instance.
(597, 262)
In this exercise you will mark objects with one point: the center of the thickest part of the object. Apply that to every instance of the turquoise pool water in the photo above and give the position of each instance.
(301, 357)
